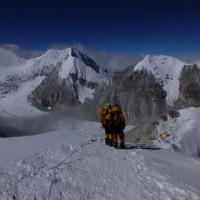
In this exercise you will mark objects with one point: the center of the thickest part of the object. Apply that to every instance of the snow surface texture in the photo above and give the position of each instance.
(167, 71)
(75, 164)
(184, 132)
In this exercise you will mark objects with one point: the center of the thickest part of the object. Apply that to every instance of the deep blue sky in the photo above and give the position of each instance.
(130, 27)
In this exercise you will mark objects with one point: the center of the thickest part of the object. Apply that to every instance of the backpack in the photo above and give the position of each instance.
(118, 119)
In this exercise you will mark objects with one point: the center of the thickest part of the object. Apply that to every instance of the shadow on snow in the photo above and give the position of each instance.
(142, 146)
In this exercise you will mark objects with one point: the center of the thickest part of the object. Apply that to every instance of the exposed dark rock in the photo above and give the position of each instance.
(7, 131)
(83, 82)
(174, 114)
(164, 117)
(190, 86)
(89, 62)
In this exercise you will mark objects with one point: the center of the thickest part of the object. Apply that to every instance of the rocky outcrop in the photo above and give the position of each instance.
(140, 96)
(190, 85)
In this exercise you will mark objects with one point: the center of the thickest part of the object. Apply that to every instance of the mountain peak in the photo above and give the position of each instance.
(70, 71)
(167, 71)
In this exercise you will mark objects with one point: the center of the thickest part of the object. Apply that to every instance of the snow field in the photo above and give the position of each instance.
(82, 167)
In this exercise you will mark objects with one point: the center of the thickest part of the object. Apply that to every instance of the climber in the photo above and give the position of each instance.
(106, 121)
(118, 127)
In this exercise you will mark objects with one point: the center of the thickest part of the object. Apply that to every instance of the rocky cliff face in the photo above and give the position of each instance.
(140, 96)
(190, 86)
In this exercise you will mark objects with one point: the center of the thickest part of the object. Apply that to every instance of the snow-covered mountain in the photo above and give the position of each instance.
(71, 77)
(62, 70)
(167, 71)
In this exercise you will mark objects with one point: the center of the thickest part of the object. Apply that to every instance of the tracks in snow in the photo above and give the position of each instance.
(87, 172)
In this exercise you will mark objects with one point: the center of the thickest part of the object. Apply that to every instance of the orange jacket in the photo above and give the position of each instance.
(106, 116)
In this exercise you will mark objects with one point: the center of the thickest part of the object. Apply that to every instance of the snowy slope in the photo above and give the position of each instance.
(16, 84)
(184, 132)
(45, 63)
(75, 164)
(167, 71)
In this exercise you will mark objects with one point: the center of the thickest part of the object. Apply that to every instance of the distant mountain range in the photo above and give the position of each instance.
(149, 92)
(65, 77)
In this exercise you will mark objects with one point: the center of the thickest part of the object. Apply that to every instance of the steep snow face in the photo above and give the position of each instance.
(9, 59)
(83, 67)
(167, 71)
(46, 62)
(183, 132)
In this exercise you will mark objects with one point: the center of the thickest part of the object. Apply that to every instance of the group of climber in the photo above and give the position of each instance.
(113, 121)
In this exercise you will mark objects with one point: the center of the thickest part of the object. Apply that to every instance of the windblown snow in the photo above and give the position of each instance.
(167, 71)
